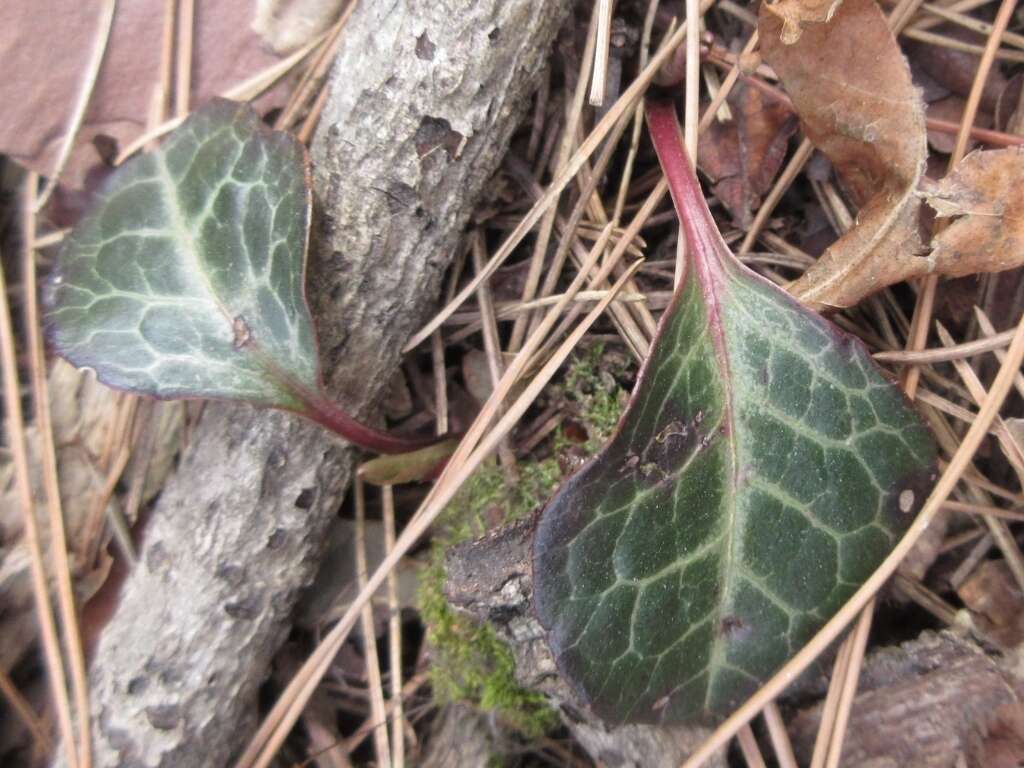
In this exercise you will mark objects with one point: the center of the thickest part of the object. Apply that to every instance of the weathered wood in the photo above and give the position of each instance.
(921, 704)
(423, 99)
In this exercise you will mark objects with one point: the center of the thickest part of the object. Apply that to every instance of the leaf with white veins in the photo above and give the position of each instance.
(762, 470)
(188, 278)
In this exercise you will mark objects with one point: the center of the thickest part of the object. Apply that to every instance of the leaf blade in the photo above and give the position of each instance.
(187, 280)
(750, 489)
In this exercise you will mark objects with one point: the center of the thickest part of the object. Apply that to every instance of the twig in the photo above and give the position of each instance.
(953, 44)
(997, 341)
(248, 89)
(990, 332)
(183, 69)
(982, 27)
(492, 342)
(638, 113)
(748, 746)
(691, 114)
(472, 450)
(858, 642)
(831, 705)
(547, 223)
(317, 69)
(780, 739)
(163, 88)
(25, 713)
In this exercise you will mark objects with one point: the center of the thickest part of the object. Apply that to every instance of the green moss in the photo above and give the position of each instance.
(470, 663)
(593, 390)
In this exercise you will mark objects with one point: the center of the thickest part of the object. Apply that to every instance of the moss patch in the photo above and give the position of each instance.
(470, 663)
(593, 391)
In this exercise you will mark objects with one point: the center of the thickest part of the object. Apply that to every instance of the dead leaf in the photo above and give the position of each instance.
(287, 25)
(55, 37)
(851, 87)
(1009, 117)
(984, 199)
(995, 602)
(951, 109)
(743, 155)
(794, 14)
(955, 69)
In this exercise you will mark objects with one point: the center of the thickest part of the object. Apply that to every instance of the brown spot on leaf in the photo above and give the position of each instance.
(730, 626)
(241, 331)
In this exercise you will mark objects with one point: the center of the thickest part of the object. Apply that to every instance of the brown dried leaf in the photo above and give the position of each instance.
(984, 198)
(794, 14)
(287, 25)
(1009, 117)
(851, 87)
(994, 600)
(951, 109)
(955, 69)
(743, 155)
(36, 109)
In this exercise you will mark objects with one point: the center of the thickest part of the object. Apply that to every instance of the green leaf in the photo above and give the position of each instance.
(762, 470)
(187, 280)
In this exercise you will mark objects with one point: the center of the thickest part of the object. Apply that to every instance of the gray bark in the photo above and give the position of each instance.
(424, 97)
(491, 579)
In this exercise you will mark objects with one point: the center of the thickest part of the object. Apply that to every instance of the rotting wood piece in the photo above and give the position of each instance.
(423, 99)
(925, 704)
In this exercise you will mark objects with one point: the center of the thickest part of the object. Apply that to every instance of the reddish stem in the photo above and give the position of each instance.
(315, 406)
(708, 251)
(331, 416)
